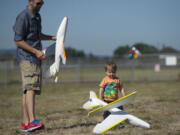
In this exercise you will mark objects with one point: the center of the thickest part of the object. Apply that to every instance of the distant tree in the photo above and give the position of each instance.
(168, 49)
(121, 50)
(7, 56)
(145, 48)
(91, 56)
(71, 52)
(80, 54)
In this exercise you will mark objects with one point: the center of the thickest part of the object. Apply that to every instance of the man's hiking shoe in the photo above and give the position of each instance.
(35, 124)
(25, 128)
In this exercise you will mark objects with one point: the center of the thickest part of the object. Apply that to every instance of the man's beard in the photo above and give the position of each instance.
(36, 10)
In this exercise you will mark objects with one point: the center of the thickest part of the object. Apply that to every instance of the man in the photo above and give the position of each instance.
(28, 38)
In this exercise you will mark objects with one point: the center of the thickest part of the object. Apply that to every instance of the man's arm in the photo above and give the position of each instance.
(24, 45)
(47, 37)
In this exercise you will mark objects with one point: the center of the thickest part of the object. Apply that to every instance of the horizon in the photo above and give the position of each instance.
(13, 51)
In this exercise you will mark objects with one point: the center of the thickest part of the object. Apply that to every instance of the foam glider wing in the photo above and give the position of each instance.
(110, 122)
(57, 49)
(116, 118)
(122, 101)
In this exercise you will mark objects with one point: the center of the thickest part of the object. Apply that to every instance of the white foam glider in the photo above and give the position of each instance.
(57, 49)
(117, 115)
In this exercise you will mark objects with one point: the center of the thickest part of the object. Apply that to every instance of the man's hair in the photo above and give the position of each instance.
(110, 65)
(30, 0)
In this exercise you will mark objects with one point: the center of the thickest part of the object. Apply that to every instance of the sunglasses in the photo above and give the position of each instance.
(39, 3)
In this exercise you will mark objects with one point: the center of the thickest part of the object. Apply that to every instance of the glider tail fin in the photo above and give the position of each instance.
(92, 95)
(51, 71)
(91, 103)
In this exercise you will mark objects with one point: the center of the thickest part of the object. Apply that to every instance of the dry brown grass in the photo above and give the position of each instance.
(60, 108)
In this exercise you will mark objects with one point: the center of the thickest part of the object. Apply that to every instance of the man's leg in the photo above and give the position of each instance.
(25, 111)
(30, 78)
(30, 100)
(30, 103)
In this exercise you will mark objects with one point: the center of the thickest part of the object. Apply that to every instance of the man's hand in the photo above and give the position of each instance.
(54, 38)
(24, 45)
(40, 55)
(47, 37)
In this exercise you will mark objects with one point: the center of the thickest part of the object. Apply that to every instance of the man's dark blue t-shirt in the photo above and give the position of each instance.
(28, 28)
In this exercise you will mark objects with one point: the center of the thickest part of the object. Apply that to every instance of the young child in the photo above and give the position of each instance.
(110, 85)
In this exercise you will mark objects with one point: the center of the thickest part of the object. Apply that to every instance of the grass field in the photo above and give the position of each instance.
(60, 108)
(95, 74)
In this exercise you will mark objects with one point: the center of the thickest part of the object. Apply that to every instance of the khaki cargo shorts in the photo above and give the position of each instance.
(31, 76)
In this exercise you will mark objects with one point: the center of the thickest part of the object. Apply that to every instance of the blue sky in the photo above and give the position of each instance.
(100, 26)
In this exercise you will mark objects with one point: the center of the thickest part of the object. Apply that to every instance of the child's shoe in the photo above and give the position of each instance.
(121, 125)
(25, 128)
(35, 124)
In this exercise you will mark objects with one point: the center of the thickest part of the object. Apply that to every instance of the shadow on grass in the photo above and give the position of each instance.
(12, 82)
(72, 126)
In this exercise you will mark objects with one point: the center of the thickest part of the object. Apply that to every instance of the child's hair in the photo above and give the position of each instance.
(110, 65)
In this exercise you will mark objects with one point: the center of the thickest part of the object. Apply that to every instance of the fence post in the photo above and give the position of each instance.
(5, 74)
(78, 71)
(132, 70)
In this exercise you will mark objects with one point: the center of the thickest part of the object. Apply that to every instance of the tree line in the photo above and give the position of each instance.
(123, 50)
(120, 51)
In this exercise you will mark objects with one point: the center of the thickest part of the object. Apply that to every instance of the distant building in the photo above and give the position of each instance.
(170, 55)
(169, 50)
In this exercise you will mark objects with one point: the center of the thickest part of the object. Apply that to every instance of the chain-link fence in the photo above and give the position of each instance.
(145, 68)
